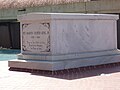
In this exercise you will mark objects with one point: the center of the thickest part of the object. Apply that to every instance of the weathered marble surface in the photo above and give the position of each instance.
(55, 41)
(74, 36)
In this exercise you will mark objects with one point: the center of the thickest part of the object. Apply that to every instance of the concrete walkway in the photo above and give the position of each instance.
(102, 78)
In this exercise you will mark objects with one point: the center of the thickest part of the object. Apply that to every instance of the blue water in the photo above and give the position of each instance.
(8, 54)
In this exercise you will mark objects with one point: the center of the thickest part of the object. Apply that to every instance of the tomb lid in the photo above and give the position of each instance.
(64, 16)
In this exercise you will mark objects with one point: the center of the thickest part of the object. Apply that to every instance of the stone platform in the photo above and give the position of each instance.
(61, 62)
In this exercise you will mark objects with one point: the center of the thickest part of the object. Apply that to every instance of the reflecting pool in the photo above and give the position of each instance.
(8, 54)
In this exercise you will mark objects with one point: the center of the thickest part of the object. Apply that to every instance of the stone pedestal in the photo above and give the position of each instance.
(56, 41)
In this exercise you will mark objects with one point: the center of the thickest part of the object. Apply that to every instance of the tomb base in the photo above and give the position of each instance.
(60, 62)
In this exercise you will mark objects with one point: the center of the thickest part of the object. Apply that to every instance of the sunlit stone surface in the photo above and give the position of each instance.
(55, 41)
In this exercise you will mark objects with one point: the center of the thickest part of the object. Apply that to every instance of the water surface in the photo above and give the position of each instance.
(8, 54)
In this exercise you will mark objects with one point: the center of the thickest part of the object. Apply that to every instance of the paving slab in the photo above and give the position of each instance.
(97, 78)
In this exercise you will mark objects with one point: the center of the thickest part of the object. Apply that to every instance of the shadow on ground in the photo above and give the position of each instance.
(76, 73)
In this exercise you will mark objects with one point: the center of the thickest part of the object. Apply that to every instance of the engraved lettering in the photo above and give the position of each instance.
(36, 40)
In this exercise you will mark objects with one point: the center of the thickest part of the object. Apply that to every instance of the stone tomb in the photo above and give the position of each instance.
(56, 41)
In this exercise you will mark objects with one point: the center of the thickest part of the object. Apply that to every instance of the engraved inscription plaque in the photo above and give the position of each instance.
(36, 38)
